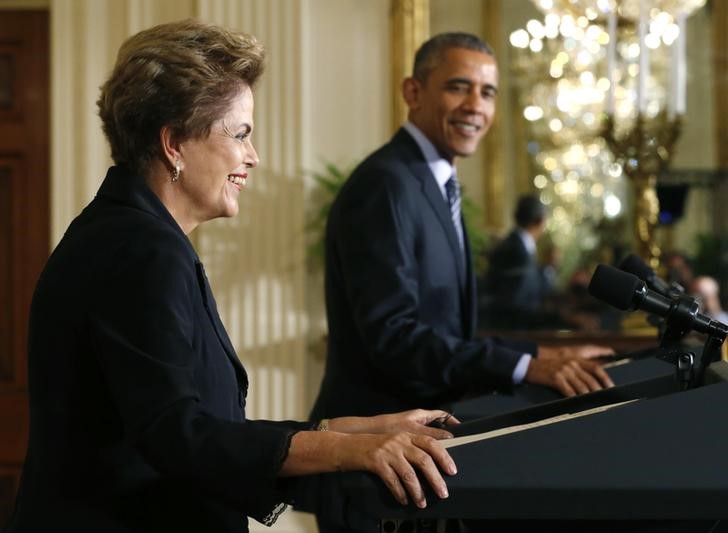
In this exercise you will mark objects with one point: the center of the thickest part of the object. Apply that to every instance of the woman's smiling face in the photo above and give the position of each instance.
(214, 169)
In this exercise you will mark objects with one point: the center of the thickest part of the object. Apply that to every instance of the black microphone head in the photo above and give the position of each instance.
(615, 287)
(635, 265)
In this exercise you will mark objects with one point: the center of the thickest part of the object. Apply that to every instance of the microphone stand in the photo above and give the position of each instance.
(711, 353)
(689, 374)
(683, 359)
(674, 291)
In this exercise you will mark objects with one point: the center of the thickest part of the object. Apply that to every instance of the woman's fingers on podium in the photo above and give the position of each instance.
(432, 423)
(441, 419)
(409, 478)
(391, 479)
(435, 433)
(434, 459)
(397, 459)
(392, 463)
(435, 423)
(440, 455)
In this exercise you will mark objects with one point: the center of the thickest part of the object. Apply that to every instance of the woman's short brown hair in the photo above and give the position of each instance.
(183, 75)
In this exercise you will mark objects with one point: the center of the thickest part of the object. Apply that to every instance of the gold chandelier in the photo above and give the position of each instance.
(626, 9)
(584, 61)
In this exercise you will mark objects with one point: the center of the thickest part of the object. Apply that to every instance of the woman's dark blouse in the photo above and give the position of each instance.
(137, 397)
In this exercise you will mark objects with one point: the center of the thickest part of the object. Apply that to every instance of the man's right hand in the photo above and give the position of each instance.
(569, 370)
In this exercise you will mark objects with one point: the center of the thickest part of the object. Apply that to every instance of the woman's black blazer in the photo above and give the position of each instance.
(137, 398)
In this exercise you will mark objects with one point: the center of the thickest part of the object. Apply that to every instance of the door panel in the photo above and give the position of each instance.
(24, 221)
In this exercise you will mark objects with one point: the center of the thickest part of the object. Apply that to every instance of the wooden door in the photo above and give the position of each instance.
(24, 221)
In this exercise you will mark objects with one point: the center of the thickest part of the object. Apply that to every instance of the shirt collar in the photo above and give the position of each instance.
(528, 241)
(440, 167)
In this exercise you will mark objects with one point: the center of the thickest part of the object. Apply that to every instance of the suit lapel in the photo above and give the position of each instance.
(469, 300)
(211, 308)
(421, 171)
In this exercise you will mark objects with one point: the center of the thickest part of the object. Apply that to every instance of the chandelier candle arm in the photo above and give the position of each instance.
(680, 103)
(645, 152)
(611, 58)
(673, 95)
(676, 99)
(644, 71)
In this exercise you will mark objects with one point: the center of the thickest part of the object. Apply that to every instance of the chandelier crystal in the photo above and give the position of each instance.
(627, 9)
(584, 61)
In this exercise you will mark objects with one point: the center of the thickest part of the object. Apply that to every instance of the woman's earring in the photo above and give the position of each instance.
(175, 172)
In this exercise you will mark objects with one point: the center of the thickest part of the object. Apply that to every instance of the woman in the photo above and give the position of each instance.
(137, 396)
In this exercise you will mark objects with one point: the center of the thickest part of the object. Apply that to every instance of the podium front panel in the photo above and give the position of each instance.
(660, 458)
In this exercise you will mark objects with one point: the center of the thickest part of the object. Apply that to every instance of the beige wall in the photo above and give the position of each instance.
(346, 79)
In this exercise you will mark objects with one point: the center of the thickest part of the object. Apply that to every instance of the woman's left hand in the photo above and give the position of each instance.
(417, 421)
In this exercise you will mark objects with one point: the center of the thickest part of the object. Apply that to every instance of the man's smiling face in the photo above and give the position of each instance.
(455, 105)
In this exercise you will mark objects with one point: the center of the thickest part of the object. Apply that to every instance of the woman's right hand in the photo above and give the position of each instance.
(396, 458)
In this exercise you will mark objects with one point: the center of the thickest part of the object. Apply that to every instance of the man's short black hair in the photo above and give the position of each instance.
(529, 211)
(431, 51)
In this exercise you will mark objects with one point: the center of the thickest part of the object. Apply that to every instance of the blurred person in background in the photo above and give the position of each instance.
(706, 289)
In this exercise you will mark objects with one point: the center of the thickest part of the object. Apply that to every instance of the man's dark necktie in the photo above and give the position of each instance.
(452, 188)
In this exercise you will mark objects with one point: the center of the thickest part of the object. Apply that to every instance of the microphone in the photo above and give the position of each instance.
(634, 265)
(626, 291)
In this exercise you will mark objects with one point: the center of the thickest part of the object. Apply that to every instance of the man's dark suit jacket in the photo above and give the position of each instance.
(400, 295)
(515, 289)
(136, 394)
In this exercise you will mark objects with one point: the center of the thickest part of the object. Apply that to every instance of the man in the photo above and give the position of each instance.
(400, 291)
(516, 289)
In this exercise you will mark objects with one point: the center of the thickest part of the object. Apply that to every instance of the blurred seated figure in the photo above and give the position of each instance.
(678, 269)
(706, 289)
(515, 287)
